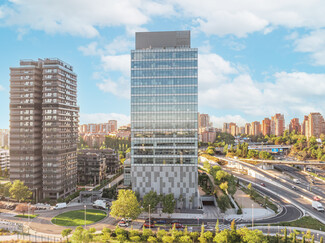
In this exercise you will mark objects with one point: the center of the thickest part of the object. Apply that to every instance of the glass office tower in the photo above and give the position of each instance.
(164, 108)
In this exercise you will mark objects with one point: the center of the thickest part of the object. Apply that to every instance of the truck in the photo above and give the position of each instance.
(101, 204)
(317, 206)
(60, 206)
(297, 181)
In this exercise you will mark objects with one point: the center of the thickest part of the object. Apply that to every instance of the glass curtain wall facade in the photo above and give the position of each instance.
(164, 108)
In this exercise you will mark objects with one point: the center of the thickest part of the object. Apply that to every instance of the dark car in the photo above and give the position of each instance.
(178, 225)
(149, 225)
(161, 221)
(262, 184)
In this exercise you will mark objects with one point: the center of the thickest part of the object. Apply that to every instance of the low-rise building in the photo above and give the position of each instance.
(4, 159)
(91, 167)
(95, 164)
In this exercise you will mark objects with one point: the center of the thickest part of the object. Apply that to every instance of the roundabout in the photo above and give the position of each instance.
(79, 217)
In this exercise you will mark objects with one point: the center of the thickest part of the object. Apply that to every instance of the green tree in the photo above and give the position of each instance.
(167, 239)
(249, 187)
(5, 189)
(126, 205)
(82, 235)
(66, 233)
(221, 175)
(152, 199)
(161, 234)
(217, 229)
(194, 236)
(168, 203)
(233, 225)
(19, 191)
(223, 202)
(224, 186)
(152, 239)
(106, 235)
(285, 235)
(250, 236)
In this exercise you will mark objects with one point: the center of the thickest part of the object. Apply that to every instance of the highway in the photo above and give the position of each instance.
(318, 187)
(300, 197)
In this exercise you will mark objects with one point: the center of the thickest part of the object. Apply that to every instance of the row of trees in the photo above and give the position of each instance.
(116, 143)
(127, 204)
(225, 181)
(232, 235)
(16, 190)
(242, 151)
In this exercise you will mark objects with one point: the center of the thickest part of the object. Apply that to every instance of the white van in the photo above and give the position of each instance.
(318, 206)
(60, 206)
(297, 181)
(99, 204)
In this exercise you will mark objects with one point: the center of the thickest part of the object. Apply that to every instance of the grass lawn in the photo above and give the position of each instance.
(31, 216)
(77, 217)
(305, 222)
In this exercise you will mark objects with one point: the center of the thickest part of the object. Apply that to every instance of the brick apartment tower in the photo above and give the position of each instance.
(44, 127)
(277, 124)
(295, 125)
(314, 125)
(266, 126)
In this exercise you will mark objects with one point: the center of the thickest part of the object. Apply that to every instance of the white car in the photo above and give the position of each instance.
(126, 219)
(123, 224)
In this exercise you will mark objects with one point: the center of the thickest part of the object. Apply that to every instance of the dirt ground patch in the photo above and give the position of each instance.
(244, 200)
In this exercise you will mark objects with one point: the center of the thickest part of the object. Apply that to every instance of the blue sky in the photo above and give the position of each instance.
(256, 57)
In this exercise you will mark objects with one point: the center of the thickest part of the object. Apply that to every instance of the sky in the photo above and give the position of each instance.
(256, 57)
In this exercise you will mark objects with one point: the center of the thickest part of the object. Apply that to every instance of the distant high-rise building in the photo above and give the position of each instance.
(315, 126)
(4, 137)
(44, 127)
(4, 160)
(164, 115)
(204, 120)
(295, 125)
(266, 126)
(255, 128)
(304, 126)
(247, 128)
(242, 130)
(113, 125)
(232, 128)
(277, 124)
(226, 128)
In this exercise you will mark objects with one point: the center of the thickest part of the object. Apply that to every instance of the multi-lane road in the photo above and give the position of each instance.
(300, 197)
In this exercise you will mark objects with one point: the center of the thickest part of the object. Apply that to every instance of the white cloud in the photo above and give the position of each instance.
(114, 75)
(82, 17)
(119, 63)
(227, 86)
(218, 121)
(1, 88)
(313, 43)
(120, 88)
(243, 17)
(239, 18)
(90, 50)
(122, 119)
(119, 45)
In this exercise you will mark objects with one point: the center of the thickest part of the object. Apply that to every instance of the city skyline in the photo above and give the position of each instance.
(241, 79)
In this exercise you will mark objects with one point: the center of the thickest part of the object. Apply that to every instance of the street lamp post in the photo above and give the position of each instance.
(149, 218)
(252, 216)
(85, 215)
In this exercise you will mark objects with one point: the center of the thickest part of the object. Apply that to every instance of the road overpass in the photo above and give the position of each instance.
(286, 162)
(270, 148)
